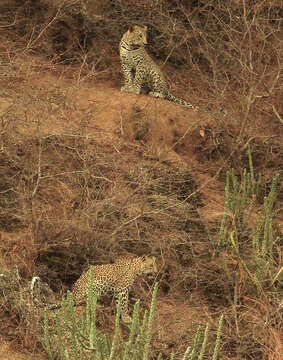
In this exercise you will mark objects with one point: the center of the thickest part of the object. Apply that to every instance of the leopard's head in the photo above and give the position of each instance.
(148, 264)
(136, 36)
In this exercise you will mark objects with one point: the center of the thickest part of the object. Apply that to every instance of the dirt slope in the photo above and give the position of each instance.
(142, 131)
(159, 130)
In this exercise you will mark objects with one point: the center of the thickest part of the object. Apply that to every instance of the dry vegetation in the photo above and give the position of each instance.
(88, 174)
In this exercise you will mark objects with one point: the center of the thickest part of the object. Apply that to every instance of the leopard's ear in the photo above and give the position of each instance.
(145, 27)
(145, 258)
(153, 259)
(131, 28)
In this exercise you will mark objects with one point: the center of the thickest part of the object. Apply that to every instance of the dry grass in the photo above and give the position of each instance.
(82, 182)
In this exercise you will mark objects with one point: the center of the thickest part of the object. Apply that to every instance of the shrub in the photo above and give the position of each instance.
(80, 339)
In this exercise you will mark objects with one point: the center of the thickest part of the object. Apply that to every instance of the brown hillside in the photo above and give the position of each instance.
(88, 173)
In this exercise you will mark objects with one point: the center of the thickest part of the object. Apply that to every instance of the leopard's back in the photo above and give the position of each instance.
(113, 278)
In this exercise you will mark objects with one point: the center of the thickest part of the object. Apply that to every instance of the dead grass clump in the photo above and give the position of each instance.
(19, 320)
(164, 180)
(9, 204)
(253, 328)
(57, 29)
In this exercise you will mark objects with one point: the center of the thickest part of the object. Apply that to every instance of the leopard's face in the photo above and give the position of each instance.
(136, 36)
(149, 265)
(141, 265)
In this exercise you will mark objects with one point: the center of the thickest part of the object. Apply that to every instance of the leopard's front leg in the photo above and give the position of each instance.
(124, 305)
(139, 80)
(128, 78)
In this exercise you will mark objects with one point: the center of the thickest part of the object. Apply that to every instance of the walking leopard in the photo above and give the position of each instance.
(116, 278)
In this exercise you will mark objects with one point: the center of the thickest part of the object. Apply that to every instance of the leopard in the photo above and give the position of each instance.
(139, 69)
(116, 278)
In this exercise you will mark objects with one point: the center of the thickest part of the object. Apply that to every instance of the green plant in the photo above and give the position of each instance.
(74, 338)
(239, 194)
(239, 203)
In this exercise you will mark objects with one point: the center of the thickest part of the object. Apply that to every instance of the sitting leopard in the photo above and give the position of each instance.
(140, 70)
(116, 278)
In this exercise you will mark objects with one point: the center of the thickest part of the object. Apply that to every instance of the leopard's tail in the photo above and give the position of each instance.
(173, 98)
(35, 282)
